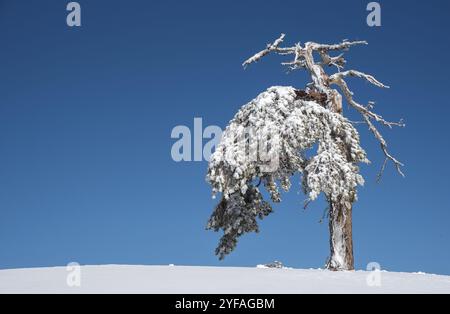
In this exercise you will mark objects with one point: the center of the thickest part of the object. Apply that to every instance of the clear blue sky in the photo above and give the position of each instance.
(86, 116)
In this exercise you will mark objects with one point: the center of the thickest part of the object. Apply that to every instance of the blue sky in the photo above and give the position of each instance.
(86, 115)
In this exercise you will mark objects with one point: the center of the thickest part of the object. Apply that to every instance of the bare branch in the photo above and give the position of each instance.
(357, 122)
(380, 174)
(363, 110)
(270, 48)
(299, 60)
(345, 45)
(384, 148)
(338, 61)
(306, 203)
(301, 52)
(367, 116)
(362, 75)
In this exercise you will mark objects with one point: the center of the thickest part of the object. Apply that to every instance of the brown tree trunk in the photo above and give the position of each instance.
(341, 239)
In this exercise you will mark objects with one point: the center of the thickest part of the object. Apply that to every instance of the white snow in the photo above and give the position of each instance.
(202, 280)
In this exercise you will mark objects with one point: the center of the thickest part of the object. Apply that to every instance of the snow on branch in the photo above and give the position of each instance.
(337, 80)
(367, 115)
(270, 47)
(354, 73)
(384, 148)
(302, 52)
(338, 61)
(345, 45)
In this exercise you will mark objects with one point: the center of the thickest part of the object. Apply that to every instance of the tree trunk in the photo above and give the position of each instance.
(341, 231)
(341, 234)
(341, 239)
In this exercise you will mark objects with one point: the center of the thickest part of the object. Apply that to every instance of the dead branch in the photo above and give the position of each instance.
(362, 75)
(367, 116)
(345, 45)
(271, 47)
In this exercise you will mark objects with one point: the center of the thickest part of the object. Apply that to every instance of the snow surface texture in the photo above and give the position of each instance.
(202, 280)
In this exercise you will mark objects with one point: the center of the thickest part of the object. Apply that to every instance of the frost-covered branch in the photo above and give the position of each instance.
(384, 148)
(338, 61)
(368, 115)
(337, 80)
(303, 54)
(362, 75)
(270, 48)
(345, 45)
(299, 60)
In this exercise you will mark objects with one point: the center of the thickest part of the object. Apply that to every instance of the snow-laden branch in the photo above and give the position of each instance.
(270, 47)
(345, 45)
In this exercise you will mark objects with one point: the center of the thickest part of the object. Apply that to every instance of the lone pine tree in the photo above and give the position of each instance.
(268, 140)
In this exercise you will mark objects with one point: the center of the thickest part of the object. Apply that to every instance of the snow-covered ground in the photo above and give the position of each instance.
(201, 280)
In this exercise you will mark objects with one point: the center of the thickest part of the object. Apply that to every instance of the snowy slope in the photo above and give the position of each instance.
(183, 280)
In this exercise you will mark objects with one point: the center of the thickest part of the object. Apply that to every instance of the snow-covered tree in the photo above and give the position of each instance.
(268, 140)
